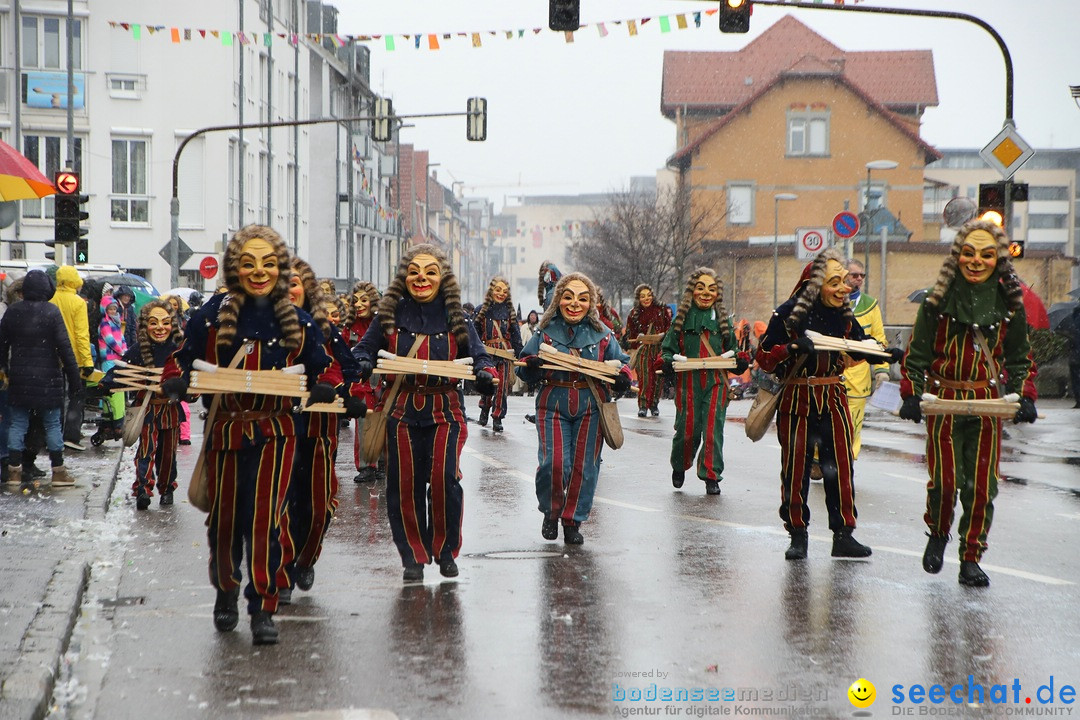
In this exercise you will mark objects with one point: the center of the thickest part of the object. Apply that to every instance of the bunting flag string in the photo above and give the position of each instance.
(634, 26)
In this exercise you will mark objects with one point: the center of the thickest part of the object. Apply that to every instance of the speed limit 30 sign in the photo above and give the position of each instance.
(809, 242)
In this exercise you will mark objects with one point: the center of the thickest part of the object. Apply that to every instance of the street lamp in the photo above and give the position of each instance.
(873, 165)
(776, 241)
(1075, 90)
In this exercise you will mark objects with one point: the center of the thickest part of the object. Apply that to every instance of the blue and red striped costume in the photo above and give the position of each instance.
(362, 388)
(499, 330)
(251, 446)
(568, 420)
(425, 432)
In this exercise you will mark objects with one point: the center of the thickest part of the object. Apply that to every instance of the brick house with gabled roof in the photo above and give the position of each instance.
(793, 113)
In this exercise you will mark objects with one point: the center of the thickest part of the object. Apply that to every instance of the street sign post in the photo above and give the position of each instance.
(183, 255)
(845, 224)
(208, 267)
(1007, 152)
(809, 242)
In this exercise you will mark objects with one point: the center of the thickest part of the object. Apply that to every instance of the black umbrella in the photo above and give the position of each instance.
(919, 295)
(1059, 313)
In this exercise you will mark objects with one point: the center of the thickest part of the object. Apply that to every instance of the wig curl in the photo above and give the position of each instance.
(314, 298)
(229, 312)
(142, 331)
(687, 299)
(593, 316)
(448, 289)
(809, 290)
(1014, 295)
(373, 296)
(489, 300)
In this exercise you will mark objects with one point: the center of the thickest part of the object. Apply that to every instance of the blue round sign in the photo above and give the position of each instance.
(845, 224)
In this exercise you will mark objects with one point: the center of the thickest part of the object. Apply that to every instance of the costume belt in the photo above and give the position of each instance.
(576, 384)
(960, 384)
(428, 389)
(160, 401)
(812, 380)
(250, 415)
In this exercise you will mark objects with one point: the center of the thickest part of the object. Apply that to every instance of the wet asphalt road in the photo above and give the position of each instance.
(672, 588)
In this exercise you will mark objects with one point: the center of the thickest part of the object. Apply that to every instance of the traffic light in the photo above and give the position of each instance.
(735, 16)
(382, 125)
(476, 129)
(564, 15)
(992, 203)
(82, 251)
(1016, 248)
(68, 214)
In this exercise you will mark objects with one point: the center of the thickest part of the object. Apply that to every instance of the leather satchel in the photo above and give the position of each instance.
(373, 436)
(610, 424)
(198, 489)
(134, 417)
(763, 410)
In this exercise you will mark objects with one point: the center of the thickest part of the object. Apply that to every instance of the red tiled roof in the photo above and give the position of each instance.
(719, 81)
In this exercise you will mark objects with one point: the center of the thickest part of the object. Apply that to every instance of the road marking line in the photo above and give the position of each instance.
(921, 481)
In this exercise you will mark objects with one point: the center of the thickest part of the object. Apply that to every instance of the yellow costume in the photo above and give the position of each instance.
(859, 378)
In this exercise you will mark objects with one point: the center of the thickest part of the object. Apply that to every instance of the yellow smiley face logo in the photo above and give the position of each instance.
(862, 693)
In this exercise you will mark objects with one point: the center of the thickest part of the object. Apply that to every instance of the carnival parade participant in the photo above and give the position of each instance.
(364, 296)
(567, 414)
(545, 285)
(312, 496)
(701, 328)
(969, 342)
(157, 335)
(251, 443)
(812, 415)
(646, 318)
(862, 379)
(497, 324)
(421, 316)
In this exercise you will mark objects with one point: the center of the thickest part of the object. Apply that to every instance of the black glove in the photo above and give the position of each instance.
(741, 363)
(895, 355)
(485, 382)
(1027, 412)
(912, 409)
(622, 383)
(320, 393)
(533, 362)
(366, 369)
(669, 371)
(802, 345)
(175, 388)
(87, 371)
(355, 407)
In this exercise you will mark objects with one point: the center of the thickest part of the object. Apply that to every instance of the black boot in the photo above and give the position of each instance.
(496, 425)
(655, 411)
(482, 422)
(934, 556)
(413, 574)
(448, 568)
(305, 577)
(572, 536)
(226, 614)
(642, 412)
(845, 546)
(365, 475)
(972, 575)
(797, 549)
(712, 487)
(677, 478)
(263, 631)
(142, 501)
(166, 497)
(549, 529)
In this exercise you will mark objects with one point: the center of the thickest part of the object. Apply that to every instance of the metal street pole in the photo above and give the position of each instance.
(776, 243)
(872, 165)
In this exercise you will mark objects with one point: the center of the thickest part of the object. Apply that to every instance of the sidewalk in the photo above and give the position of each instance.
(44, 567)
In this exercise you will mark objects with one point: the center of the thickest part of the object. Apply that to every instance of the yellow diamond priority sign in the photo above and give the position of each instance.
(1007, 152)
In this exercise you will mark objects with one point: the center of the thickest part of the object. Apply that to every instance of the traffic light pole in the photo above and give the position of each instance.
(174, 203)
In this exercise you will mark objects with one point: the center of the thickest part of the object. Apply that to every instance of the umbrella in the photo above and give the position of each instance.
(1034, 309)
(20, 179)
(144, 291)
(1075, 293)
(919, 295)
(1060, 313)
(184, 293)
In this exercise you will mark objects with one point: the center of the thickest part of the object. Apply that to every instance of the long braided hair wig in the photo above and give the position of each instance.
(809, 290)
(142, 332)
(314, 298)
(448, 289)
(228, 314)
(637, 295)
(1014, 295)
(368, 289)
(489, 300)
(688, 297)
(592, 317)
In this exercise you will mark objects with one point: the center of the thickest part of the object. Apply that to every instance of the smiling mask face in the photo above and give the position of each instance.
(575, 301)
(362, 303)
(159, 325)
(259, 269)
(499, 292)
(978, 256)
(645, 297)
(706, 290)
(296, 291)
(423, 278)
(835, 290)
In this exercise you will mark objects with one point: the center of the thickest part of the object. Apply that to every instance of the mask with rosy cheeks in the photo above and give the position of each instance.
(159, 325)
(296, 291)
(423, 278)
(362, 303)
(706, 290)
(332, 313)
(646, 298)
(258, 267)
(978, 256)
(835, 290)
(499, 292)
(575, 301)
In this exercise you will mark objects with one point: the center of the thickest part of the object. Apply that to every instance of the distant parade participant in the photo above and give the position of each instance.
(648, 317)
(969, 342)
(812, 415)
(862, 379)
(312, 496)
(545, 286)
(421, 316)
(701, 328)
(497, 324)
(253, 438)
(567, 415)
(364, 297)
(157, 336)
(608, 315)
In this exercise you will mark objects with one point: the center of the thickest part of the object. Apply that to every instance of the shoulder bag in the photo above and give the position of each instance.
(373, 436)
(198, 490)
(762, 411)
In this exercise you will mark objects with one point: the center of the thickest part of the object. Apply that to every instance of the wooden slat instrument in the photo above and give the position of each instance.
(209, 379)
(993, 407)
(136, 377)
(606, 370)
(654, 339)
(390, 364)
(828, 342)
(501, 352)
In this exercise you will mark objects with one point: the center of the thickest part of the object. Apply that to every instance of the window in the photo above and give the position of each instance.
(808, 133)
(130, 202)
(1047, 222)
(44, 43)
(740, 204)
(1051, 192)
(49, 153)
(127, 87)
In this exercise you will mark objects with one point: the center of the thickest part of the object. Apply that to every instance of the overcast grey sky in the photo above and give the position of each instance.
(584, 117)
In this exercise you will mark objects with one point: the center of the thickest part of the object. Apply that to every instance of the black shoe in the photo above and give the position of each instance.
(448, 568)
(845, 546)
(284, 596)
(550, 529)
(32, 470)
(712, 487)
(972, 575)
(482, 422)
(166, 498)
(797, 549)
(366, 475)
(305, 577)
(677, 478)
(413, 573)
(655, 411)
(642, 412)
(143, 501)
(185, 442)
(263, 631)
(226, 614)
(496, 424)
(934, 556)
(572, 536)
(531, 418)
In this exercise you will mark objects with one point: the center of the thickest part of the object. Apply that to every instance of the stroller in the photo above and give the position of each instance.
(108, 427)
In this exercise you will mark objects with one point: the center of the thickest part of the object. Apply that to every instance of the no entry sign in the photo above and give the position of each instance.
(845, 224)
(809, 242)
(208, 267)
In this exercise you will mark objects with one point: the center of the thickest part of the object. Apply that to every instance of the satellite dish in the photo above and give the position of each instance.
(958, 211)
(8, 212)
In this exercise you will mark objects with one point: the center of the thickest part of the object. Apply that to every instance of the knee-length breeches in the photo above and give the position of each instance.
(497, 401)
(830, 435)
(310, 502)
(155, 460)
(247, 493)
(700, 414)
(424, 500)
(568, 425)
(962, 454)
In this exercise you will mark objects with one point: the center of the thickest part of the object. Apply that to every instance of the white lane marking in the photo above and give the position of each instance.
(921, 481)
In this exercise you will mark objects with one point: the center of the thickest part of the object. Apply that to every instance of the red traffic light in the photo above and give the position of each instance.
(66, 182)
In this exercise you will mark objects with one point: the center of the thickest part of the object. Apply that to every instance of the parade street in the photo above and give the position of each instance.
(673, 593)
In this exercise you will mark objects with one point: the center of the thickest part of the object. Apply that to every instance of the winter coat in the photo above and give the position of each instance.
(35, 349)
(111, 343)
(73, 309)
(127, 314)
